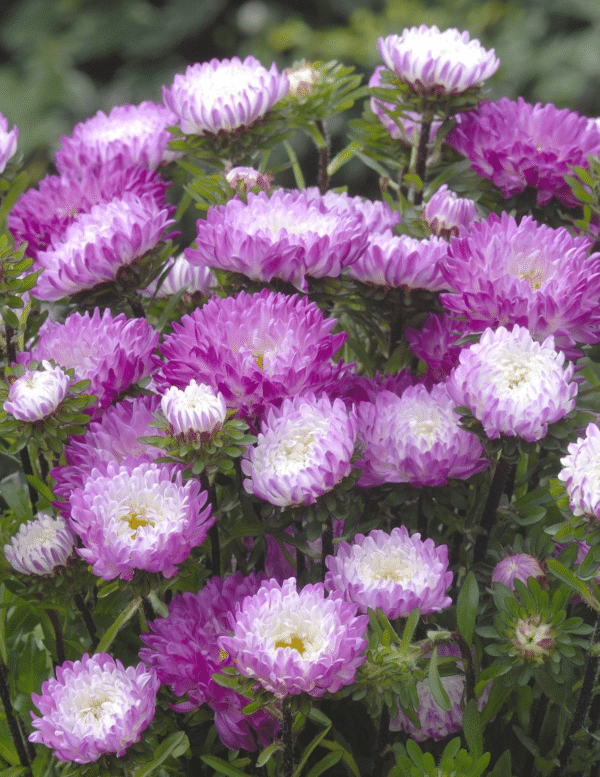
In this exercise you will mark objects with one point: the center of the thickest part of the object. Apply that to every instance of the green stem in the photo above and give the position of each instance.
(421, 163)
(382, 741)
(87, 619)
(11, 719)
(28, 470)
(326, 543)
(491, 507)
(286, 736)
(323, 158)
(213, 532)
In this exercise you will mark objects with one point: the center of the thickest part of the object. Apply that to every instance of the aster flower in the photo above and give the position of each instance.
(95, 246)
(224, 95)
(529, 274)
(581, 473)
(353, 388)
(302, 77)
(196, 410)
(446, 213)
(437, 63)
(8, 142)
(516, 144)
(304, 449)
(517, 566)
(533, 639)
(435, 342)
(288, 235)
(400, 260)
(514, 385)
(94, 706)
(378, 215)
(197, 278)
(244, 179)
(296, 641)
(255, 349)
(113, 353)
(138, 515)
(415, 438)
(37, 393)
(395, 572)
(40, 546)
(135, 134)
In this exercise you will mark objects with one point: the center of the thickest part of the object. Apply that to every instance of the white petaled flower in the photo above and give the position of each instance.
(198, 408)
(446, 213)
(438, 63)
(8, 142)
(196, 278)
(514, 385)
(224, 94)
(304, 449)
(244, 179)
(302, 78)
(40, 546)
(581, 473)
(37, 393)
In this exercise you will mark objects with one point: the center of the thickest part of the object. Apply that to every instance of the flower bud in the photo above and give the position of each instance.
(36, 394)
(195, 410)
(533, 640)
(518, 566)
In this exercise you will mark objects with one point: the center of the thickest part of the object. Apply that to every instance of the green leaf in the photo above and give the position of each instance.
(325, 763)
(266, 754)
(409, 630)
(473, 729)
(222, 767)
(563, 573)
(309, 748)
(120, 621)
(41, 488)
(467, 606)
(174, 745)
(347, 757)
(435, 683)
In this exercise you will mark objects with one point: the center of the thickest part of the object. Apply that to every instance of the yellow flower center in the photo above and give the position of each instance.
(295, 643)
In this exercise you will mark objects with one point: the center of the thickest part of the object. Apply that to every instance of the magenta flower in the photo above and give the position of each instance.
(395, 572)
(296, 641)
(304, 449)
(517, 566)
(581, 473)
(529, 274)
(224, 95)
(95, 246)
(114, 353)
(134, 134)
(446, 213)
(94, 706)
(415, 438)
(255, 349)
(8, 142)
(514, 385)
(437, 63)
(37, 393)
(408, 126)
(288, 235)
(138, 515)
(40, 546)
(516, 144)
(378, 215)
(435, 342)
(196, 410)
(353, 388)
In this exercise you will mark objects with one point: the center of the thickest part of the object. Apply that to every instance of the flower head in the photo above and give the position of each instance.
(438, 63)
(514, 385)
(224, 95)
(435, 342)
(304, 449)
(37, 393)
(395, 572)
(40, 546)
(196, 278)
(244, 179)
(94, 706)
(196, 409)
(296, 641)
(301, 79)
(516, 144)
(581, 473)
(8, 141)
(533, 640)
(446, 213)
(517, 566)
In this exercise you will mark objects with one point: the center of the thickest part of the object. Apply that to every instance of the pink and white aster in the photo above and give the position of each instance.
(377, 214)
(581, 473)
(224, 95)
(304, 449)
(437, 63)
(401, 260)
(183, 650)
(435, 342)
(395, 572)
(244, 179)
(294, 641)
(196, 410)
(516, 145)
(504, 273)
(513, 384)
(112, 352)
(288, 235)
(8, 142)
(37, 393)
(40, 546)
(138, 515)
(195, 278)
(446, 213)
(96, 245)
(255, 349)
(415, 438)
(353, 388)
(517, 566)
(134, 134)
(94, 706)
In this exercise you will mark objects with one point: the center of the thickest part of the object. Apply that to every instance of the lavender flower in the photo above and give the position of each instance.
(196, 278)
(378, 215)
(40, 546)
(37, 393)
(197, 410)
(224, 95)
(435, 342)
(517, 566)
(446, 213)
(8, 142)
(395, 572)
(514, 385)
(296, 641)
(94, 706)
(581, 473)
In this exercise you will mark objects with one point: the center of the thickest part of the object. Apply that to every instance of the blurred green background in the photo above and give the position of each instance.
(62, 60)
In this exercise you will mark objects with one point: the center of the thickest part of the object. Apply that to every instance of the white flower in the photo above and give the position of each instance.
(196, 408)
(40, 546)
(581, 473)
(37, 393)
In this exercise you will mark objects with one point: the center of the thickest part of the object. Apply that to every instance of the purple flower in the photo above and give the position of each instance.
(296, 641)
(529, 274)
(94, 706)
(138, 515)
(408, 126)
(514, 385)
(400, 260)
(224, 95)
(40, 546)
(194, 277)
(134, 134)
(255, 349)
(304, 449)
(95, 246)
(517, 566)
(415, 438)
(184, 652)
(8, 141)
(437, 63)
(288, 235)
(435, 342)
(581, 473)
(395, 572)
(353, 388)
(195, 410)
(37, 393)
(114, 353)
(378, 215)
(516, 144)
(446, 213)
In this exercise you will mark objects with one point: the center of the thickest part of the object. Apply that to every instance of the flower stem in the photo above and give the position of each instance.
(491, 506)
(28, 470)
(11, 719)
(58, 635)
(87, 619)
(213, 532)
(382, 740)
(323, 158)
(286, 736)
(326, 543)
(421, 166)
